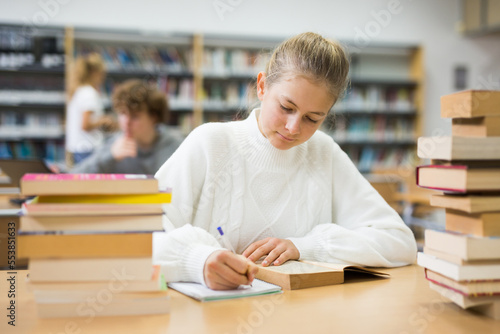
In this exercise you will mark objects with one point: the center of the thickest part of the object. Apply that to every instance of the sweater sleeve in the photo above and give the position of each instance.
(183, 249)
(365, 229)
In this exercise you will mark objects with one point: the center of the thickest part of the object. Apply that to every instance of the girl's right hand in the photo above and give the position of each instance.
(224, 270)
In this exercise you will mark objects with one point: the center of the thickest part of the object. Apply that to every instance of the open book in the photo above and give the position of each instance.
(293, 275)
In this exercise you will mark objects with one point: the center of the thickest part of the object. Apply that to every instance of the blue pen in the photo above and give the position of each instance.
(228, 245)
(225, 241)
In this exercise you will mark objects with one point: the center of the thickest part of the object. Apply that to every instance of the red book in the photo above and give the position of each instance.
(87, 184)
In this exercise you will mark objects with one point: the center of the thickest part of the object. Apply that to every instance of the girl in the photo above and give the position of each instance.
(84, 114)
(278, 187)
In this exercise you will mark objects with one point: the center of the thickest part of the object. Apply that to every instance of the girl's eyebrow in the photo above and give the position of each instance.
(319, 113)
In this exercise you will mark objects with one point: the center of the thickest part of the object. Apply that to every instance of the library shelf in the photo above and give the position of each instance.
(211, 77)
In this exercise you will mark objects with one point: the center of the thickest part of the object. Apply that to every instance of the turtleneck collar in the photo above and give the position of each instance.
(258, 150)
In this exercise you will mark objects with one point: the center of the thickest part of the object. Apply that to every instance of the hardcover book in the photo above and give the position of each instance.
(469, 288)
(91, 223)
(459, 148)
(467, 203)
(488, 305)
(478, 224)
(70, 209)
(153, 198)
(293, 275)
(466, 247)
(87, 184)
(459, 272)
(60, 246)
(487, 126)
(120, 305)
(458, 178)
(91, 270)
(470, 103)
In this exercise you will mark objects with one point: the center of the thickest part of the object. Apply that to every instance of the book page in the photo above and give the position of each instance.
(299, 267)
(348, 267)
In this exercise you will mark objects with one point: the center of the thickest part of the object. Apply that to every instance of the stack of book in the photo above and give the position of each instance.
(88, 239)
(463, 262)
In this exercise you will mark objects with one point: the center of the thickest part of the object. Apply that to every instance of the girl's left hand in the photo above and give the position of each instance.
(278, 251)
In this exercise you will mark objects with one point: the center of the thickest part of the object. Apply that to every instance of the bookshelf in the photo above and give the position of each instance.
(479, 18)
(376, 123)
(379, 118)
(207, 78)
(230, 67)
(159, 58)
(31, 92)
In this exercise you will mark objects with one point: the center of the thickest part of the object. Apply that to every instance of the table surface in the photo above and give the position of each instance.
(403, 303)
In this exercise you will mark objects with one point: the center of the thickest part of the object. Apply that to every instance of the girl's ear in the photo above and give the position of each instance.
(261, 79)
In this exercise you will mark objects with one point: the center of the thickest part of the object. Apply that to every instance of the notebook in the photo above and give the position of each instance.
(204, 294)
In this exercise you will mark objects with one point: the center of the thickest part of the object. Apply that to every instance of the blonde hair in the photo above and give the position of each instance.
(311, 55)
(83, 70)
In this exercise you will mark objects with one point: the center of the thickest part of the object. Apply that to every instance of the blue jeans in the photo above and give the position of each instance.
(78, 157)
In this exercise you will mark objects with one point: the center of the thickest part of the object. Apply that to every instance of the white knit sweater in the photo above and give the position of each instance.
(229, 175)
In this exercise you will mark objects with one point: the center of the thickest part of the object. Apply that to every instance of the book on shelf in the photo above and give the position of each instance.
(31, 124)
(119, 305)
(45, 97)
(376, 98)
(139, 58)
(458, 178)
(478, 224)
(87, 184)
(378, 129)
(486, 126)
(64, 246)
(466, 302)
(469, 288)
(5, 151)
(459, 272)
(226, 97)
(466, 247)
(47, 149)
(459, 148)
(293, 275)
(51, 270)
(467, 203)
(204, 294)
(470, 103)
(93, 222)
(224, 62)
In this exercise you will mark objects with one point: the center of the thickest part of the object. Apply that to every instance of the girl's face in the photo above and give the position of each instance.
(291, 110)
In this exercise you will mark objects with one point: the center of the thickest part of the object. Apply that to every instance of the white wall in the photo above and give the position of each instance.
(426, 22)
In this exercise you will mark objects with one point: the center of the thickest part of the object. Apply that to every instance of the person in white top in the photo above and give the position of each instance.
(280, 188)
(85, 111)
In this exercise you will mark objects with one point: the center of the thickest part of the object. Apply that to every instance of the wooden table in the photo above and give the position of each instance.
(402, 304)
